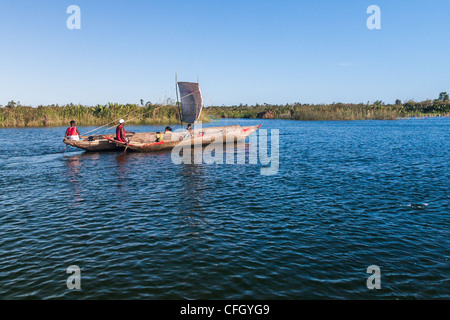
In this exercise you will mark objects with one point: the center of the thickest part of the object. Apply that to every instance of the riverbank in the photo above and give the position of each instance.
(55, 115)
(16, 115)
(338, 111)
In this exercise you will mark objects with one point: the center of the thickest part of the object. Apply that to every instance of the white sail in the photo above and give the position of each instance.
(191, 101)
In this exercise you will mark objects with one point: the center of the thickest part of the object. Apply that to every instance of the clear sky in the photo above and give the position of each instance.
(243, 51)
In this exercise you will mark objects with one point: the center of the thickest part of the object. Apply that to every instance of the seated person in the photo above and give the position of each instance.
(72, 133)
(159, 137)
(120, 132)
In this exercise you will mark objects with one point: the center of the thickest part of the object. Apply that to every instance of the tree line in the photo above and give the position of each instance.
(15, 114)
(377, 110)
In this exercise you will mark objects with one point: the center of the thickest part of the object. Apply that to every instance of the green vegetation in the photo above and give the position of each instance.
(16, 115)
(336, 111)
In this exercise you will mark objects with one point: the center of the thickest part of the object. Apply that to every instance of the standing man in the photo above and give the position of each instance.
(72, 133)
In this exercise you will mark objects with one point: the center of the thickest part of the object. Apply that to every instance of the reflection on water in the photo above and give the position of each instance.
(191, 192)
(123, 168)
(73, 169)
(347, 195)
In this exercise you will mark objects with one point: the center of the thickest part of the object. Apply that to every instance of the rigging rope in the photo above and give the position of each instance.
(98, 128)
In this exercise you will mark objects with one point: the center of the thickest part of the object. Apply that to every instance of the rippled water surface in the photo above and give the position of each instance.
(347, 195)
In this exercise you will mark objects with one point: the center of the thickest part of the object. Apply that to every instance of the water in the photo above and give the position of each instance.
(347, 195)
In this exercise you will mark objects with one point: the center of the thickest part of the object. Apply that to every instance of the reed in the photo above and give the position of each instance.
(335, 111)
(16, 115)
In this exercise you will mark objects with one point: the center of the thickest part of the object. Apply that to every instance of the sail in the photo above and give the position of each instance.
(191, 101)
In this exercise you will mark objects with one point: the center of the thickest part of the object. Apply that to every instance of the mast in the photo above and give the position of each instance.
(178, 102)
(197, 115)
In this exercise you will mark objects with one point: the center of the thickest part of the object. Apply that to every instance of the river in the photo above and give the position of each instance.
(347, 195)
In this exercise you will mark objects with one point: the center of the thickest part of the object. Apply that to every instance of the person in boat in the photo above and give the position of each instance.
(159, 137)
(168, 130)
(189, 128)
(72, 133)
(120, 132)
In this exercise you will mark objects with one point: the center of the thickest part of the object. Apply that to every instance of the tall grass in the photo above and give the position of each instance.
(16, 115)
(337, 111)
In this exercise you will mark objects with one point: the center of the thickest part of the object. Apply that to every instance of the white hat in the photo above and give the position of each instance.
(121, 121)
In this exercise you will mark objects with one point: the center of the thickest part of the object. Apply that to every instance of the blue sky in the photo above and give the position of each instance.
(243, 51)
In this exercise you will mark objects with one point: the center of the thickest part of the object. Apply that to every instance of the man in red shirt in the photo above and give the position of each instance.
(120, 132)
(72, 133)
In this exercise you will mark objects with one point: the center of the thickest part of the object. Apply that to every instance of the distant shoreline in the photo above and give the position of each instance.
(18, 116)
(337, 111)
(174, 123)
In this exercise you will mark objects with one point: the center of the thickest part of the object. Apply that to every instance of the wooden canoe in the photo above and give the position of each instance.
(148, 142)
(98, 143)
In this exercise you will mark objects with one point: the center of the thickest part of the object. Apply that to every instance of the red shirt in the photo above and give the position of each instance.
(72, 131)
(120, 133)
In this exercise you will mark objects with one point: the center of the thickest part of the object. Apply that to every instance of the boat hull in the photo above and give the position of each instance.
(92, 146)
(202, 137)
(147, 141)
(98, 143)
